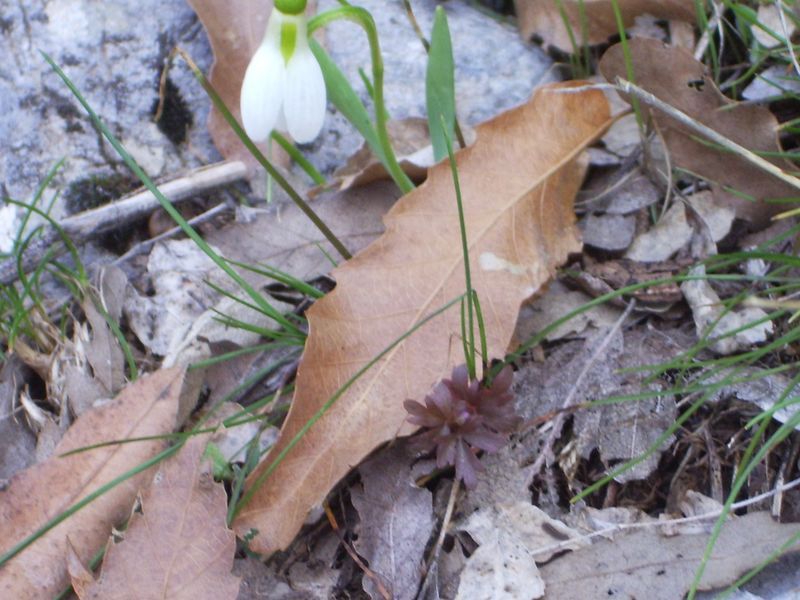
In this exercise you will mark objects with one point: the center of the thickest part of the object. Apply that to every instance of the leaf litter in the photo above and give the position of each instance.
(544, 19)
(148, 407)
(395, 521)
(420, 256)
(510, 489)
(687, 86)
(177, 544)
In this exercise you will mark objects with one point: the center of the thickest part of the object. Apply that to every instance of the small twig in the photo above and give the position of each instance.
(385, 594)
(719, 139)
(437, 548)
(787, 36)
(714, 514)
(705, 39)
(162, 86)
(558, 423)
(147, 245)
(714, 466)
(786, 464)
(92, 223)
(668, 176)
(415, 25)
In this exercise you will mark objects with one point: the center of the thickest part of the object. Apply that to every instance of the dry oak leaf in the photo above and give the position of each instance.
(543, 18)
(518, 183)
(147, 407)
(687, 86)
(178, 545)
(412, 143)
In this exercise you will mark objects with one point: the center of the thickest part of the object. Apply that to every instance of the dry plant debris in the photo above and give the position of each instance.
(629, 565)
(177, 544)
(411, 141)
(509, 534)
(511, 537)
(544, 19)
(688, 87)
(519, 225)
(148, 407)
(395, 522)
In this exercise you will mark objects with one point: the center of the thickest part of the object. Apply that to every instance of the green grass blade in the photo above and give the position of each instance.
(440, 90)
(167, 205)
(344, 98)
(332, 400)
(298, 157)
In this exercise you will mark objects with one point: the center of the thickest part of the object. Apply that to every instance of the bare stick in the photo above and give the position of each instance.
(146, 245)
(437, 548)
(719, 139)
(546, 454)
(714, 514)
(91, 223)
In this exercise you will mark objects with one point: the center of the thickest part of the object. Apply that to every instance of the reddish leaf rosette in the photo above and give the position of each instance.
(463, 417)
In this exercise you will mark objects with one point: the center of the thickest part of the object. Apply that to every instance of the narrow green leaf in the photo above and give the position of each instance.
(440, 87)
(345, 99)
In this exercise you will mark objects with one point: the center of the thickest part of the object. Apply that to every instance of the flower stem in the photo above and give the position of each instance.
(259, 156)
(468, 326)
(362, 17)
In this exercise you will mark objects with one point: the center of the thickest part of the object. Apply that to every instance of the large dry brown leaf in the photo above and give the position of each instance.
(178, 546)
(145, 408)
(687, 86)
(518, 180)
(542, 18)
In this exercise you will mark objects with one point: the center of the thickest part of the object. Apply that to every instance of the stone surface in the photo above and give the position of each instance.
(495, 69)
(114, 52)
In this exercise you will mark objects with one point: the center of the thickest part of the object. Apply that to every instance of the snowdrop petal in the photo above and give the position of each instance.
(305, 98)
(263, 91)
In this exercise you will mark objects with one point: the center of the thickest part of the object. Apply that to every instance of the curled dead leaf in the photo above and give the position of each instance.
(412, 143)
(688, 87)
(543, 18)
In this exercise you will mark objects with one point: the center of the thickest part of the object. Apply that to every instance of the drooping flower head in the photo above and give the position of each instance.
(283, 86)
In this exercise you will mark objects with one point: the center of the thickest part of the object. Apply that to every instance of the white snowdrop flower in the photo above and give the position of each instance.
(8, 228)
(283, 83)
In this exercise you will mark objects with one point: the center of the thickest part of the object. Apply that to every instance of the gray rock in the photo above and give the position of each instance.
(114, 52)
(613, 233)
(495, 69)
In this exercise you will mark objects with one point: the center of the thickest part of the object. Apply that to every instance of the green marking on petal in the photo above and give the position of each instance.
(290, 7)
(288, 39)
